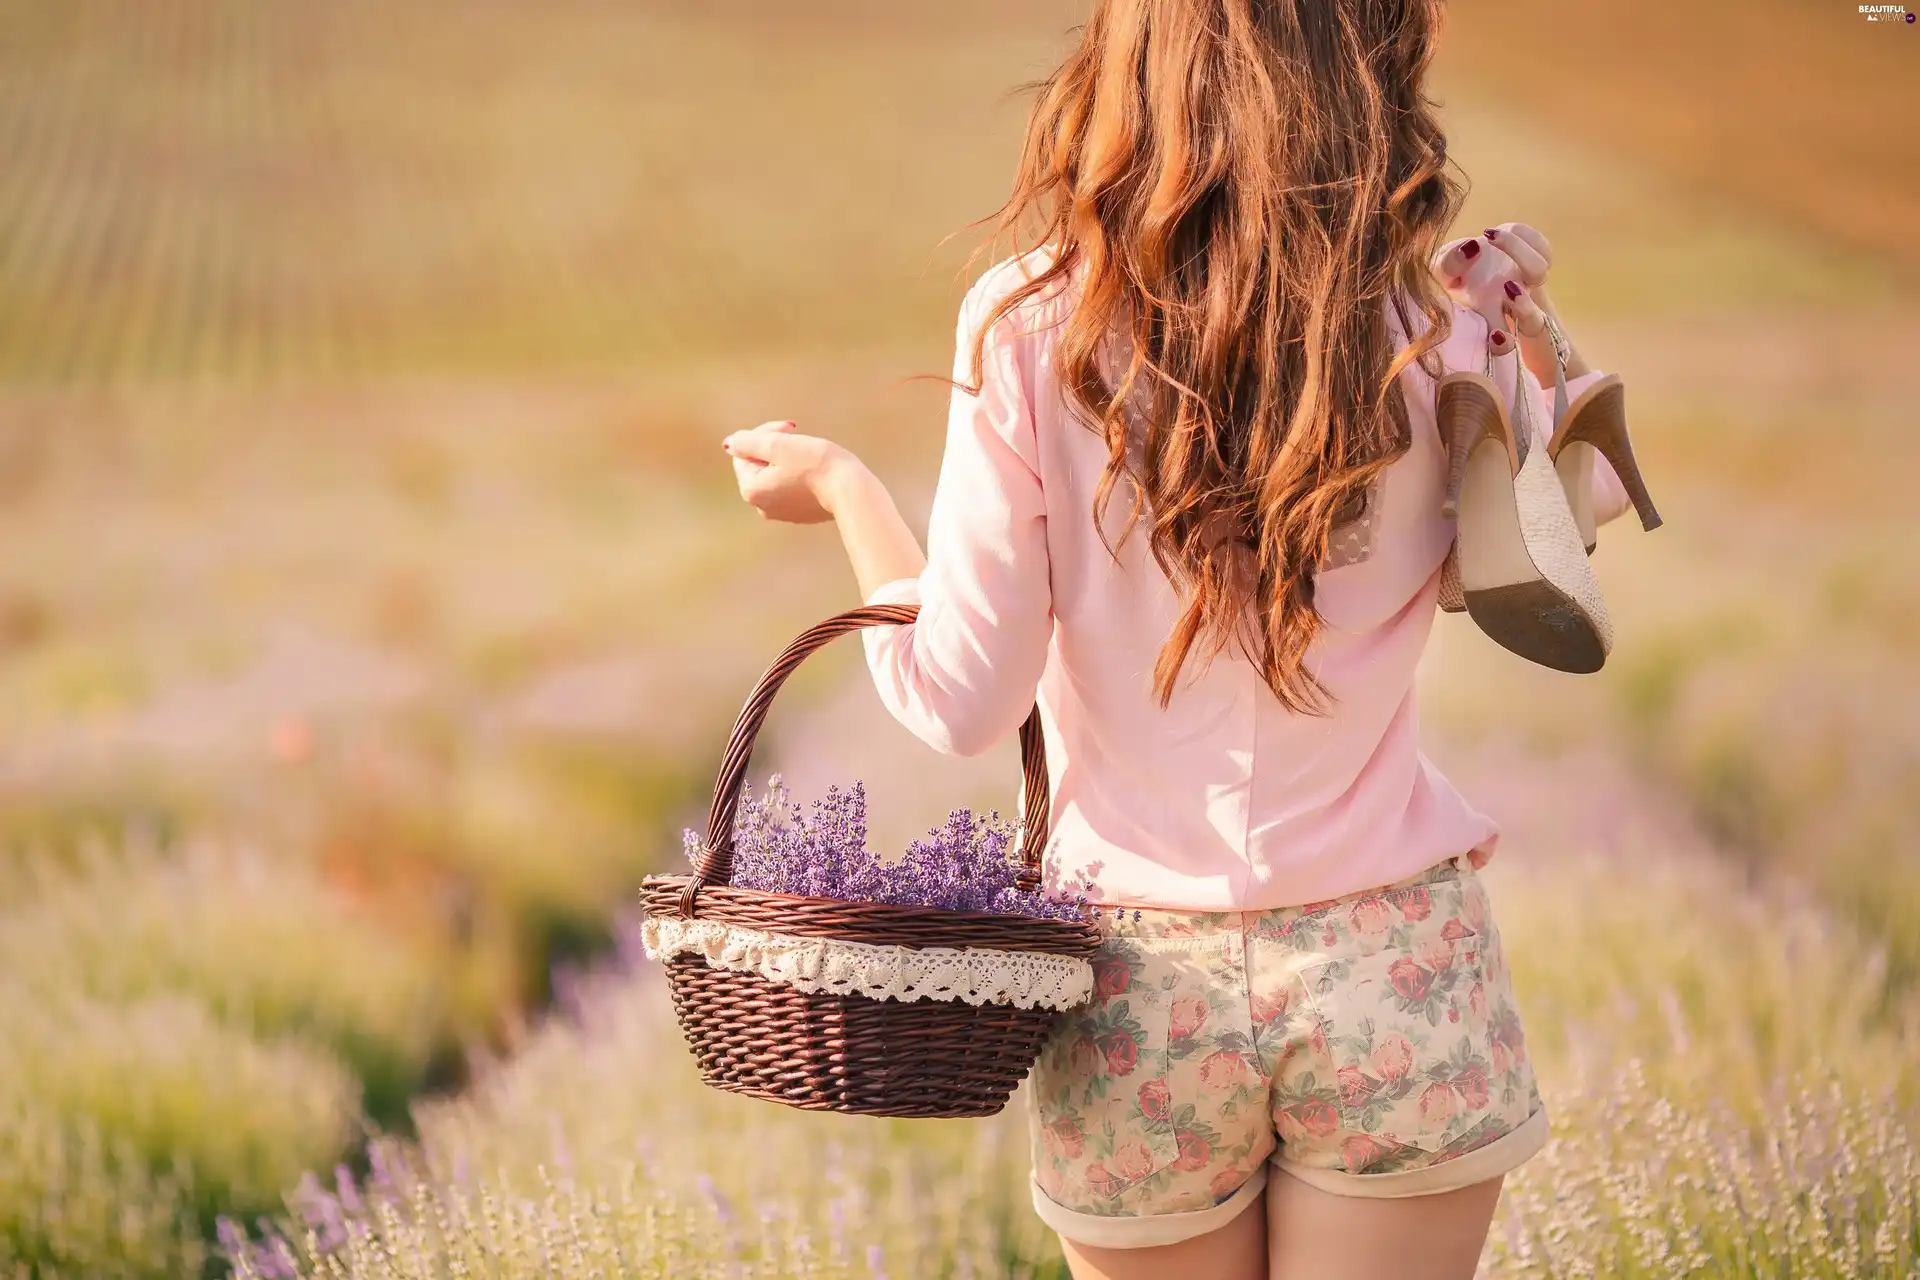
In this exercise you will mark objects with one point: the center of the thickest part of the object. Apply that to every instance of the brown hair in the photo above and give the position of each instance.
(1238, 186)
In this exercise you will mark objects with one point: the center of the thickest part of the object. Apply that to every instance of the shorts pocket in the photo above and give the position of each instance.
(1401, 1033)
(1100, 1101)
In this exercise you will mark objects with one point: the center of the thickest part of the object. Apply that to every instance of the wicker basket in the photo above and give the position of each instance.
(842, 1050)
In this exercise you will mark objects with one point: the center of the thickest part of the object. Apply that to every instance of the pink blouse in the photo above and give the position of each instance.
(1225, 800)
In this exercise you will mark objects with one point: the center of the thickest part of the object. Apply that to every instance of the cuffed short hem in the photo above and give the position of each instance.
(1141, 1232)
(1503, 1155)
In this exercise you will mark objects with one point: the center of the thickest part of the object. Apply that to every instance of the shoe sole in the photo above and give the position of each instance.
(1539, 622)
(1526, 582)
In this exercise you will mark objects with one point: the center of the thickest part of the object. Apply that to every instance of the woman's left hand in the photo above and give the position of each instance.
(787, 476)
(1502, 274)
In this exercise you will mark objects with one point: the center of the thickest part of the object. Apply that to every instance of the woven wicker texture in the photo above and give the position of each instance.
(852, 1053)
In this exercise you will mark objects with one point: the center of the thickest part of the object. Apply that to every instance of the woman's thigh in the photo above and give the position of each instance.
(1309, 1234)
(1318, 1235)
(1237, 1251)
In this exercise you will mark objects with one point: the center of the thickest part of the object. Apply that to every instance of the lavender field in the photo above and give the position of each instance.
(374, 605)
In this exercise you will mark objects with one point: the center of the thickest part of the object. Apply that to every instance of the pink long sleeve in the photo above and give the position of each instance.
(964, 674)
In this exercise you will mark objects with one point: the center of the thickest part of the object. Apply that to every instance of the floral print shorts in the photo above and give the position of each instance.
(1368, 1045)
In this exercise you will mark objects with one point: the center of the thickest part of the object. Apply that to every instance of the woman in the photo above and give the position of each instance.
(1233, 326)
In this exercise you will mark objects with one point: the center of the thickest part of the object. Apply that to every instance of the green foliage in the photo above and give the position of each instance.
(74, 1204)
(163, 1077)
(262, 943)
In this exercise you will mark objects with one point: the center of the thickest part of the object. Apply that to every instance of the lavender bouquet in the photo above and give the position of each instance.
(969, 864)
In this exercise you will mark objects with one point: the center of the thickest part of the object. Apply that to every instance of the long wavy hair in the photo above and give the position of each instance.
(1238, 188)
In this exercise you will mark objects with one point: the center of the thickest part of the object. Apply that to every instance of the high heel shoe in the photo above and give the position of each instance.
(1453, 599)
(1595, 424)
(1522, 568)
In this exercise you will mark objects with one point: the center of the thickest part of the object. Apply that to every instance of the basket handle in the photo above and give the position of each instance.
(716, 861)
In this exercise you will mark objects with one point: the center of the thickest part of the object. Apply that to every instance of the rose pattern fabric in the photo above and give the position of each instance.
(1367, 1035)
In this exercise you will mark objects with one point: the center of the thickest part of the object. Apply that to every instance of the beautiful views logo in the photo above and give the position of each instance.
(1886, 13)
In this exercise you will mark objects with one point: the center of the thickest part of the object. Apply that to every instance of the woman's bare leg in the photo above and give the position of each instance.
(1237, 1251)
(1316, 1235)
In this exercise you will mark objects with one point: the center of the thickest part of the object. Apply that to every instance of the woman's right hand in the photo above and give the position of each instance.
(1502, 274)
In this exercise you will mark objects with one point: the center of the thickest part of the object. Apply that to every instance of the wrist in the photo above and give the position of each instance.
(1573, 362)
(842, 483)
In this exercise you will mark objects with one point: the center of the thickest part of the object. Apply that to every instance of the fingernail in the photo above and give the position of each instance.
(1499, 338)
(1471, 248)
(1513, 289)
(1491, 234)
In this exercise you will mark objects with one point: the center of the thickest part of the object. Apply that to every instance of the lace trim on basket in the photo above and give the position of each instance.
(976, 975)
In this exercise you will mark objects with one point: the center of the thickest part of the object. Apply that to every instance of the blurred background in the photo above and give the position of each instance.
(374, 602)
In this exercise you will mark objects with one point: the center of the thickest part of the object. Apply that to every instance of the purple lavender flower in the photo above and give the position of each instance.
(235, 1247)
(274, 1258)
(722, 1207)
(837, 1225)
(384, 1180)
(321, 1212)
(969, 863)
(348, 1191)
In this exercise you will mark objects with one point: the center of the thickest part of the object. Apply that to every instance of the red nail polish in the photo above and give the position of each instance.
(1492, 234)
(1499, 338)
(1513, 289)
(1471, 248)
